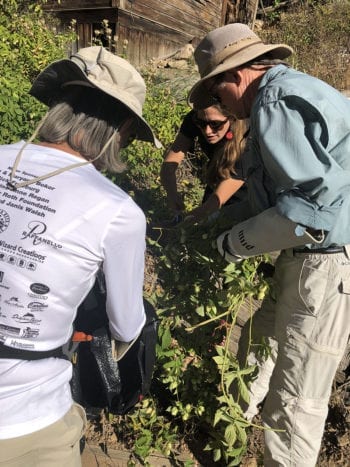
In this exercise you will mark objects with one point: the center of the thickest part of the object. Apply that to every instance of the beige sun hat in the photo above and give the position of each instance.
(227, 47)
(99, 68)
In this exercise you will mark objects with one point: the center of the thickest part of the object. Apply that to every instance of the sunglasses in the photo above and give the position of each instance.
(215, 125)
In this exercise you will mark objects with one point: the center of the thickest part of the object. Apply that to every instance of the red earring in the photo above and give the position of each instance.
(229, 135)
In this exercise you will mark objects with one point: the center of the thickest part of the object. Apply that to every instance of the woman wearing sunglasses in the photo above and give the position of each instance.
(220, 138)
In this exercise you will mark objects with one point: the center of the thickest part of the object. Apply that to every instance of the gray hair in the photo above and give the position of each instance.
(85, 120)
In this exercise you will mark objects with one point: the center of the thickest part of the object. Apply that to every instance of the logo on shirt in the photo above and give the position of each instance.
(28, 318)
(40, 289)
(4, 220)
(37, 306)
(14, 301)
(35, 232)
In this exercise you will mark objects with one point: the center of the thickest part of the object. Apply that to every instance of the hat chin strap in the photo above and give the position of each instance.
(14, 186)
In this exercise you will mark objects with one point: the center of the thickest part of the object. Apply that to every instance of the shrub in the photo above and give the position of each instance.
(26, 46)
(319, 34)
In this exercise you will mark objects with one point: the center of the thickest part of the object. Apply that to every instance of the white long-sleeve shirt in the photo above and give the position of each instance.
(54, 236)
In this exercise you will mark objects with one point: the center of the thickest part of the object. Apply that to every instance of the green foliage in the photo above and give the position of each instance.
(26, 46)
(198, 303)
(198, 299)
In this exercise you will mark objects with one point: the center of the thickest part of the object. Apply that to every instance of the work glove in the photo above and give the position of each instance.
(225, 250)
(176, 203)
(168, 179)
(202, 212)
(266, 232)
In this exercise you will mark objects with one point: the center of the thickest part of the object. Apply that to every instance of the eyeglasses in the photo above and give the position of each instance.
(215, 125)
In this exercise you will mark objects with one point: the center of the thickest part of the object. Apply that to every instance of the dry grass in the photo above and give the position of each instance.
(320, 36)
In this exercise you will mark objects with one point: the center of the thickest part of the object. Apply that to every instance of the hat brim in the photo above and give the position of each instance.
(49, 88)
(276, 51)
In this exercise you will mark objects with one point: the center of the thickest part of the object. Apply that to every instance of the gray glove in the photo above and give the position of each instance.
(266, 232)
(225, 250)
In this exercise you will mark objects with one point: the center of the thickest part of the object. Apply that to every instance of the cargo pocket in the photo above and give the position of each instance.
(345, 286)
(313, 282)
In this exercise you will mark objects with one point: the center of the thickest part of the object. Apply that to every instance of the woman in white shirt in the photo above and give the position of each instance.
(61, 221)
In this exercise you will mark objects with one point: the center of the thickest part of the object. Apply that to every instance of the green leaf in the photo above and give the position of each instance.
(230, 435)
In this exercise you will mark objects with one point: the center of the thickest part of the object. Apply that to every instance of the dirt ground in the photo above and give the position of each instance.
(102, 447)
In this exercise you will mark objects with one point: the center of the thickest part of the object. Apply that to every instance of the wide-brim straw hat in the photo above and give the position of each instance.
(99, 68)
(229, 47)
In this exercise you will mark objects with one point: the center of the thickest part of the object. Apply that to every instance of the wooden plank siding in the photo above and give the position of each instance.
(152, 28)
(87, 21)
(80, 4)
(186, 16)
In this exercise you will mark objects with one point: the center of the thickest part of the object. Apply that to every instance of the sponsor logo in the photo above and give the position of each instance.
(31, 266)
(11, 260)
(36, 306)
(21, 345)
(10, 329)
(35, 232)
(40, 289)
(29, 332)
(17, 332)
(4, 220)
(26, 318)
(2, 275)
(13, 251)
(21, 263)
(37, 297)
(14, 302)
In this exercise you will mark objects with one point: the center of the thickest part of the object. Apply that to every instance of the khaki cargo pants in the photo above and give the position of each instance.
(308, 327)
(57, 445)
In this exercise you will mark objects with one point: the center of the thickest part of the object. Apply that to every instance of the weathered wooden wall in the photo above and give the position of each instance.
(152, 28)
(80, 4)
(155, 29)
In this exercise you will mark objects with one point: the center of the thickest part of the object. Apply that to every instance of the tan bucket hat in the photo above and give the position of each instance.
(229, 47)
(99, 68)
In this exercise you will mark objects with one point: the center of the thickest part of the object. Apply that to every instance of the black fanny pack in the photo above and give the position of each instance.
(98, 379)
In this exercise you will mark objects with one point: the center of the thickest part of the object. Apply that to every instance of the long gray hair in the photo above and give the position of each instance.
(86, 119)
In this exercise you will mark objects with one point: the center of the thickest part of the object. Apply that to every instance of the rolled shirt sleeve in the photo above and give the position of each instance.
(304, 158)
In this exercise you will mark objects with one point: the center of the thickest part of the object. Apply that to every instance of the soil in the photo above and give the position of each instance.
(104, 449)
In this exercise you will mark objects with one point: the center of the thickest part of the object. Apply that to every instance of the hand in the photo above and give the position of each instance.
(222, 243)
